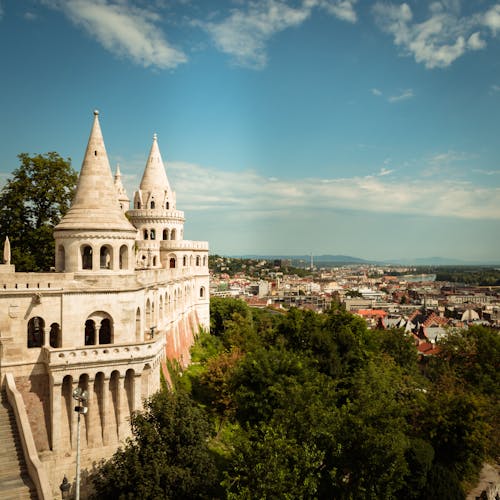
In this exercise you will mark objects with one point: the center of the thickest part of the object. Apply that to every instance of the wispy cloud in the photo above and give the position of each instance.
(403, 96)
(439, 40)
(486, 172)
(376, 92)
(495, 88)
(124, 29)
(245, 191)
(244, 34)
(385, 171)
(343, 9)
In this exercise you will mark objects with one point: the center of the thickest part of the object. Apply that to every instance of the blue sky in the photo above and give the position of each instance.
(364, 128)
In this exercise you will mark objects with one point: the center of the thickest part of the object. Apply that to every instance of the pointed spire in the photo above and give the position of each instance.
(121, 192)
(6, 251)
(95, 205)
(154, 177)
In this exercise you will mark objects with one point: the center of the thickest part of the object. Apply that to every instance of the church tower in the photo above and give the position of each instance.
(155, 216)
(94, 235)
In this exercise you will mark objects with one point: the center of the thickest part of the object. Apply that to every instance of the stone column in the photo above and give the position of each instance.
(56, 414)
(106, 415)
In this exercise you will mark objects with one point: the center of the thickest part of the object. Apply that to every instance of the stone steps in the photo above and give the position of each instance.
(15, 482)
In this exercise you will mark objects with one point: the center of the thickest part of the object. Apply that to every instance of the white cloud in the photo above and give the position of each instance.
(436, 42)
(123, 29)
(385, 171)
(486, 172)
(376, 92)
(475, 42)
(254, 195)
(495, 88)
(244, 34)
(403, 96)
(492, 18)
(343, 9)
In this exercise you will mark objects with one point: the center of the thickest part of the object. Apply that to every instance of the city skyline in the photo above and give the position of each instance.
(337, 127)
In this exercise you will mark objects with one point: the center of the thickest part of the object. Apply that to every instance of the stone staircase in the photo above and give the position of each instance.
(15, 482)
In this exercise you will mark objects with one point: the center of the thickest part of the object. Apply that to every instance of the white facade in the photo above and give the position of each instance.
(117, 306)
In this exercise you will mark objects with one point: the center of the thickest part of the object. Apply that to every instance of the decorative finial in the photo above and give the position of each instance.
(6, 251)
(96, 112)
(155, 136)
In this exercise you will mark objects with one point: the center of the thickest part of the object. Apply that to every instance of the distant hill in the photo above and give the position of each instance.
(327, 259)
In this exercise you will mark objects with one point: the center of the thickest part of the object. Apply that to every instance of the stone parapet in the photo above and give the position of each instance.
(183, 245)
(103, 357)
(155, 214)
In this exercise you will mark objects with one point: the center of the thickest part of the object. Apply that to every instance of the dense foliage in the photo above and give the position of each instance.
(306, 405)
(32, 203)
(469, 275)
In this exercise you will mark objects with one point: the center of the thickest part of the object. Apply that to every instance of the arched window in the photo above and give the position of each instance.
(86, 251)
(55, 340)
(154, 261)
(124, 257)
(152, 234)
(152, 203)
(197, 260)
(184, 261)
(89, 332)
(165, 234)
(204, 260)
(172, 263)
(202, 292)
(105, 332)
(146, 234)
(172, 234)
(138, 204)
(36, 326)
(105, 257)
(167, 205)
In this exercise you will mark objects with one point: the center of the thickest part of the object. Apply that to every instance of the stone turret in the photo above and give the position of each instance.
(95, 235)
(123, 199)
(155, 215)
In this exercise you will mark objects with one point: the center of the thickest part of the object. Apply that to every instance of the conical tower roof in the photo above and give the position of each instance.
(95, 205)
(154, 178)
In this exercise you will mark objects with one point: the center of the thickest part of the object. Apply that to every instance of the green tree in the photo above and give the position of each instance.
(32, 203)
(267, 463)
(168, 456)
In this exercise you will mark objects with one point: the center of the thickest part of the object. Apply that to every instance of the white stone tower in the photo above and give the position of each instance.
(155, 216)
(94, 235)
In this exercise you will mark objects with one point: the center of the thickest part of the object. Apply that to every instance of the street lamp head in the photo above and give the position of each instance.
(80, 394)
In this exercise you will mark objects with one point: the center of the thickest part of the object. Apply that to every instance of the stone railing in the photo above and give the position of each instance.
(155, 212)
(36, 470)
(183, 245)
(102, 354)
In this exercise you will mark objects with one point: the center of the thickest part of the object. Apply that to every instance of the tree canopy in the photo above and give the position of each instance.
(32, 203)
(306, 405)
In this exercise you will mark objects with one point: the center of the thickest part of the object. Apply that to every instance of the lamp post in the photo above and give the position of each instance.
(82, 397)
(65, 486)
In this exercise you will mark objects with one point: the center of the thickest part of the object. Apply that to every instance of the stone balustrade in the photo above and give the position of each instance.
(183, 245)
(108, 354)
